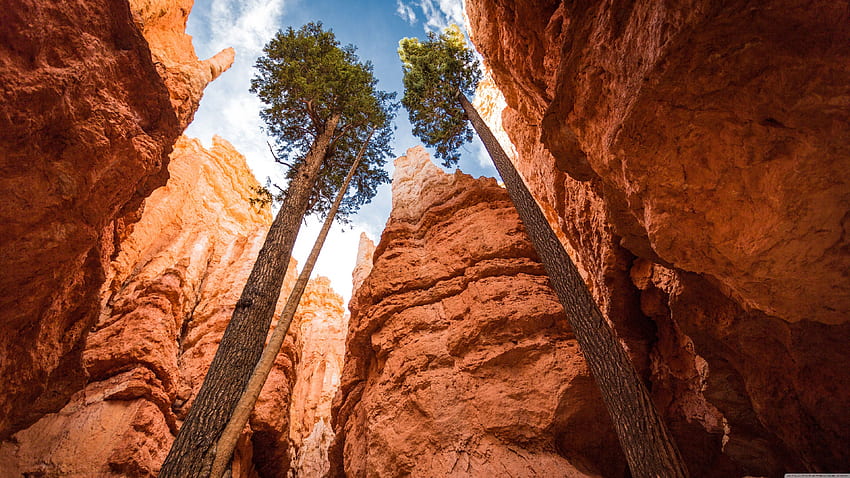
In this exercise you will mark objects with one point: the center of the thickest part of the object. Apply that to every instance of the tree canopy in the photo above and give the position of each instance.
(435, 73)
(305, 78)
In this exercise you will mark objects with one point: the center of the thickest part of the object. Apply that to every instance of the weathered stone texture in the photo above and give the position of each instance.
(459, 360)
(86, 127)
(694, 159)
(170, 293)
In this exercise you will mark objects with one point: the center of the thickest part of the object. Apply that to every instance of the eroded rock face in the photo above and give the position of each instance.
(88, 120)
(324, 324)
(163, 24)
(699, 118)
(694, 159)
(459, 360)
(363, 266)
(170, 294)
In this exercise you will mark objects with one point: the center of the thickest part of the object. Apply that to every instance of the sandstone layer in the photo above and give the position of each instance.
(170, 293)
(694, 159)
(163, 24)
(459, 360)
(88, 119)
(324, 324)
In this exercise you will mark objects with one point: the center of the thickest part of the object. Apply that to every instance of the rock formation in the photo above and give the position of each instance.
(165, 306)
(363, 266)
(169, 295)
(88, 119)
(459, 360)
(694, 159)
(163, 24)
(323, 329)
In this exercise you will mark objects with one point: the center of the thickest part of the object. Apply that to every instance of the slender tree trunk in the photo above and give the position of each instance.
(646, 442)
(227, 442)
(193, 450)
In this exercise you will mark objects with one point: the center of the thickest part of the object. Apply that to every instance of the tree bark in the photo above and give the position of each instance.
(193, 450)
(227, 442)
(646, 442)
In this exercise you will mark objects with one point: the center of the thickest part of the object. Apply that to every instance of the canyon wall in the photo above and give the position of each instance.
(163, 24)
(169, 295)
(459, 360)
(91, 107)
(324, 325)
(694, 159)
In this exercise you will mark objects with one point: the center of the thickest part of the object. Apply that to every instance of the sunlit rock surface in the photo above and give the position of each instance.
(170, 294)
(89, 116)
(323, 328)
(459, 360)
(163, 24)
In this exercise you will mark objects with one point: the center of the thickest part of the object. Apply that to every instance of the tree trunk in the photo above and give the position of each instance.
(227, 442)
(646, 442)
(193, 450)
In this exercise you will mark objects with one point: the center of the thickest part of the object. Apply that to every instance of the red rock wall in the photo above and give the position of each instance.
(459, 361)
(323, 327)
(163, 24)
(86, 126)
(170, 293)
(694, 157)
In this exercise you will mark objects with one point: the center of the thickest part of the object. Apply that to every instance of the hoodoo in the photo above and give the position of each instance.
(459, 360)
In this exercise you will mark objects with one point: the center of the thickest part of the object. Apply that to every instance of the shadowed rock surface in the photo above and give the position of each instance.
(169, 295)
(694, 158)
(90, 113)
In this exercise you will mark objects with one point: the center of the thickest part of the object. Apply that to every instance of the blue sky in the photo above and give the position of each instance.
(230, 111)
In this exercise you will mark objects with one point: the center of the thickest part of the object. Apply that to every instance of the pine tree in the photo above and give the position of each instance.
(320, 101)
(227, 442)
(438, 75)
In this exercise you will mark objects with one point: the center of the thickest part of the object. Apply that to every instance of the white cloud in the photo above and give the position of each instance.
(228, 109)
(405, 12)
(245, 25)
(439, 14)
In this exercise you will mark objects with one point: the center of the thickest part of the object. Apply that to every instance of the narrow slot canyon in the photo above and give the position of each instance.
(692, 157)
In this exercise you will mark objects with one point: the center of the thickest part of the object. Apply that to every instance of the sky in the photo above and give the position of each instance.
(229, 110)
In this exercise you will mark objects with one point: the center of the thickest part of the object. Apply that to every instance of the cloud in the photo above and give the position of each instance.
(228, 109)
(439, 14)
(244, 25)
(405, 12)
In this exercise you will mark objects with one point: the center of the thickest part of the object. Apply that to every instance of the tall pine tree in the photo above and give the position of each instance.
(320, 101)
(227, 442)
(438, 75)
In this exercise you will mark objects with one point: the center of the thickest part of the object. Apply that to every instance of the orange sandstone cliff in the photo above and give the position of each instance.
(459, 360)
(694, 158)
(91, 107)
(163, 24)
(323, 328)
(115, 293)
(168, 297)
